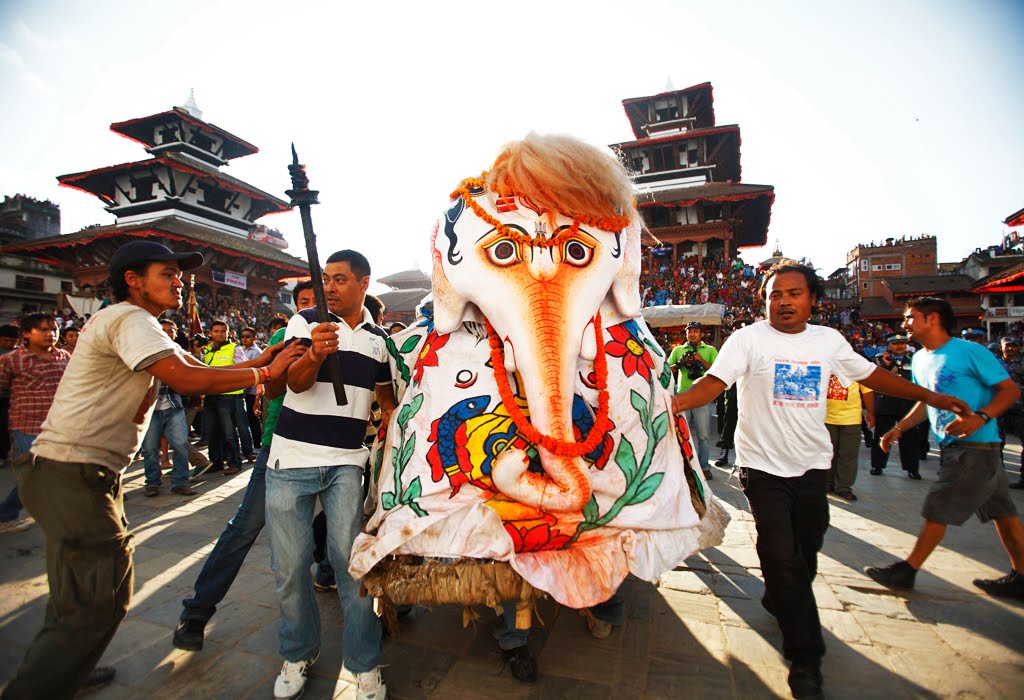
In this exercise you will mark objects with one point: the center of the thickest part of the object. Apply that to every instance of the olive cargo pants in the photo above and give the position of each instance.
(80, 509)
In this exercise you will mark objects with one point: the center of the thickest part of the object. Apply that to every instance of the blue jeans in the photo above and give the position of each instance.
(291, 497)
(699, 420)
(169, 423)
(611, 611)
(242, 424)
(11, 507)
(220, 410)
(221, 567)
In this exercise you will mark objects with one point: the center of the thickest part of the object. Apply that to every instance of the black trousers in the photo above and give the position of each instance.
(791, 516)
(731, 415)
(911, 444)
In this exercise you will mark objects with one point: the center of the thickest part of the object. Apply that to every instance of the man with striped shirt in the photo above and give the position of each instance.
(318, 452)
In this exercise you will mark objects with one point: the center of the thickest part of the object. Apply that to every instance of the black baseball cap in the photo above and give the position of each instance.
(1010, 340)
(694, 324)
(150, 251)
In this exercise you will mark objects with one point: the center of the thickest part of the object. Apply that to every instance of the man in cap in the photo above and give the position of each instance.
(1012, 422)
(71, 480)
(690, 361)
(973, 334)
(889, 409)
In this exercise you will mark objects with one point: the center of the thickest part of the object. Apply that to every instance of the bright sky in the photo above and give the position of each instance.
(872, 119)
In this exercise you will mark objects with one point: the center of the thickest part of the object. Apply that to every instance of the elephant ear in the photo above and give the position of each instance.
(449, 305)
(626, 286)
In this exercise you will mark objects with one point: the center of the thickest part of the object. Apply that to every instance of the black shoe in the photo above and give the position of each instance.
(723, 459)
(101, 677)
(899, 575)
(805, 680)
(189, 635)
(847, 495)
(1017, 485)
(523, 666)
(916, 476)
(251, 457)
(709, 475)
(151, 491)
(1009, 586)
(875, 471)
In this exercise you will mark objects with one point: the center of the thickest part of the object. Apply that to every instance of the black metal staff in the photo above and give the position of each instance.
(303, 198)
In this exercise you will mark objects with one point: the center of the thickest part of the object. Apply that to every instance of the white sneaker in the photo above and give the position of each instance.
(292, 680)
(370, 686)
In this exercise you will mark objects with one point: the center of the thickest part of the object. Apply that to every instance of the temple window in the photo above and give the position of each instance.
(31, 284)
(662, 157)
(659, 217)
(666, 109)
(213, 197)
(142, 188)
(168, 134)
(201, 140)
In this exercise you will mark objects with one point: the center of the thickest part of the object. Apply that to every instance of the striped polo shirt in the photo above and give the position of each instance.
(312, 429)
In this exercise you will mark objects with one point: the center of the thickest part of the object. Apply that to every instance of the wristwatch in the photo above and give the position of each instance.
(984, 416)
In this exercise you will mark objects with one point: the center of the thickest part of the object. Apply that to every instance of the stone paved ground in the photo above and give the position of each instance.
(700, 632)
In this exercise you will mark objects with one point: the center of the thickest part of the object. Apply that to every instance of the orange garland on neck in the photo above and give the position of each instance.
(562, 448)
(605, 223)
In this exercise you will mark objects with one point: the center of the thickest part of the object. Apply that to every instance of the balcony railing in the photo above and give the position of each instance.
(1005, 312)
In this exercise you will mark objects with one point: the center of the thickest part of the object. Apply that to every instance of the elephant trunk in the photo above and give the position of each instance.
(552, 352)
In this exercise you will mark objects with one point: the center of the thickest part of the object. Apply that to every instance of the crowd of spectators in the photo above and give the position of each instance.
(735, 285)
(237, 312)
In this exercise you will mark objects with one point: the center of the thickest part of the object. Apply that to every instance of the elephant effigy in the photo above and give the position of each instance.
(534, 423)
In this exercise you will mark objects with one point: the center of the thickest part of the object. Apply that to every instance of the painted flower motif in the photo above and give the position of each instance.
(626, 344)
(535, 539)
(428, 354)
(683, 434)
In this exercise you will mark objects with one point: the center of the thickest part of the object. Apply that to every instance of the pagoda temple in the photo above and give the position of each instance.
(687, 174)
(181, 197)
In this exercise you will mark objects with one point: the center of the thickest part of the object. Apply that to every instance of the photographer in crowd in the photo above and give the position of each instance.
(690, 361)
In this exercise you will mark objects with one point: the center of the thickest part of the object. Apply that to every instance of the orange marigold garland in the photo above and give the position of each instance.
(562, 448)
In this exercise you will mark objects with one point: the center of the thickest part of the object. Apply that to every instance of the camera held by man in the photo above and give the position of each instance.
(690, 362)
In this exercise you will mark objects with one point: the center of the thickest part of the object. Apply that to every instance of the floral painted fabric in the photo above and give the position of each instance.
(649, 507)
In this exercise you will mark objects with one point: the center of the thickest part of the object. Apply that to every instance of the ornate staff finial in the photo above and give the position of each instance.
(303, 198)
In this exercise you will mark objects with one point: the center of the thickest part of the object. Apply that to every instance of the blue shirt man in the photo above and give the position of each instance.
(971, 476)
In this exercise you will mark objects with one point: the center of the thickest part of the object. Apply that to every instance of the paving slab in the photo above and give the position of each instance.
(700, 632)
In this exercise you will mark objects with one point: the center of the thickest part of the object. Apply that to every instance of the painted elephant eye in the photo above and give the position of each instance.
(504, 252)
(577, 253)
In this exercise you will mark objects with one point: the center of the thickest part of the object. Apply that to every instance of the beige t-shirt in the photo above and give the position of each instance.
(105, 399)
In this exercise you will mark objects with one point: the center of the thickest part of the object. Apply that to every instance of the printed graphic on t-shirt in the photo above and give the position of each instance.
(797, 384)
(836, 390)
(943, 381)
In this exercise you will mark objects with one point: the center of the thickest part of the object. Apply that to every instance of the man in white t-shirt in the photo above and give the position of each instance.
(71, 480)
(781, 368)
